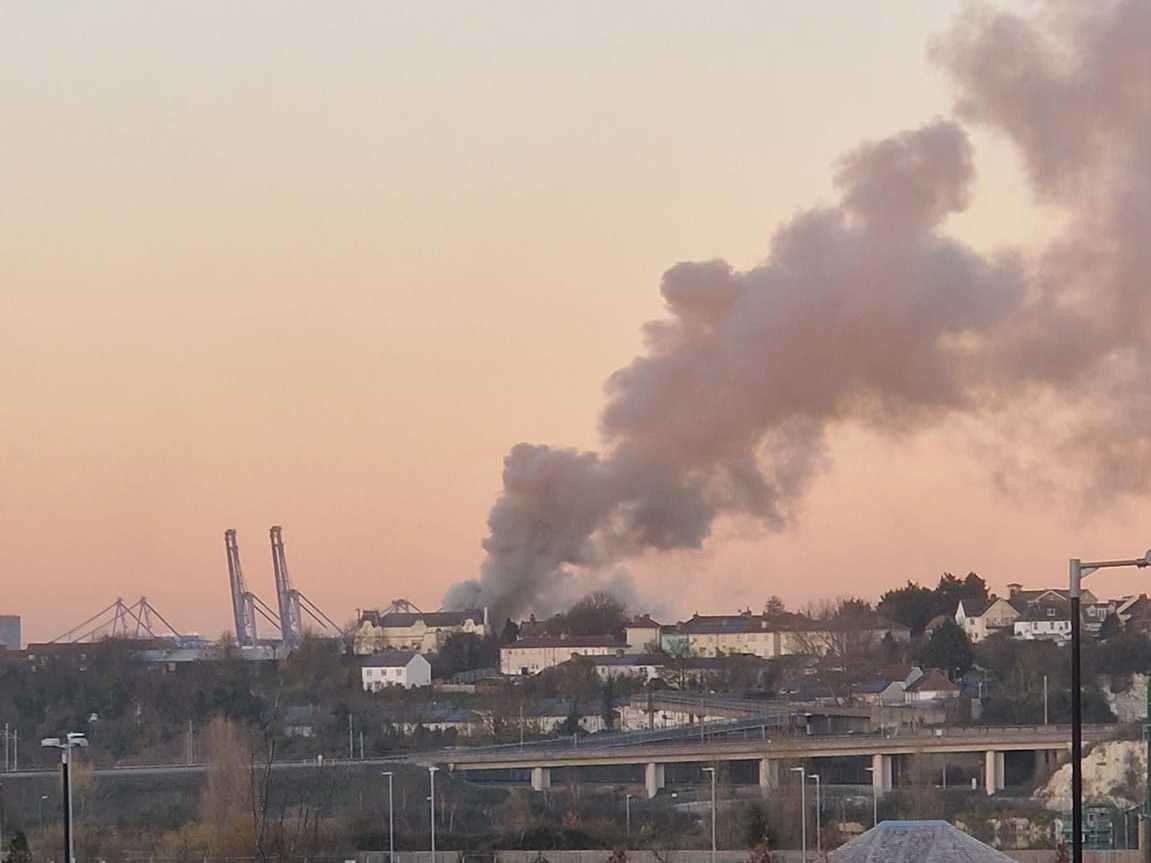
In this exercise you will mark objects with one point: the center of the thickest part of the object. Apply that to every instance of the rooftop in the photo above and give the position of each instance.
(916, 842)
(391, 659)
(933, 680)
(405, 619)
(627, 659)
(643, 620)
(570, 641)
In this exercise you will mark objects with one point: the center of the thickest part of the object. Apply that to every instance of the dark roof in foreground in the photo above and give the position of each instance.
(916, 842)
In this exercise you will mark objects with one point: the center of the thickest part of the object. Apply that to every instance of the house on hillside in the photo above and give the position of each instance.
(982, 618)
(443, 718)
(403, 627)
(550, 715)
(641, 634)
(1134, 612)
(930, 686)
(533, 655)
(889, 686)
(1044, 621)
(725, 634)
(404, 668)
(639, 666)
(1094, 611)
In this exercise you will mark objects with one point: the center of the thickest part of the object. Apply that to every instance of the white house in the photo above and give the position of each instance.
(641, 666)
(533, 655)
(641, 632)
(464, 722)
(1045, 622)
(726, 634)
(395, 668)
(981, 618)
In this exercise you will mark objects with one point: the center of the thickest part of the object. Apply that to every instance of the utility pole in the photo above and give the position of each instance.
(818, 817)
(391, 821)
(432, 798)
(351, 749)
(1044, 699)
(802, 771)
(711, 770)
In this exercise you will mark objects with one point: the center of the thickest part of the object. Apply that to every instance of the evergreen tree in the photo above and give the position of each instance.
(949, 649)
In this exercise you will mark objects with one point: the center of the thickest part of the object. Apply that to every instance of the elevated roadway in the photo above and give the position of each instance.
(883, 750)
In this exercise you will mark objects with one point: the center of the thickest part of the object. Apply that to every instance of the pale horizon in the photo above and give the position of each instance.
(322, 268)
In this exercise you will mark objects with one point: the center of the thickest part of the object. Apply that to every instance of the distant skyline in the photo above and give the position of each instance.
(322, 267)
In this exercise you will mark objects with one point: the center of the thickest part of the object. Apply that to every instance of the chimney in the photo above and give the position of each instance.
(1014, 588)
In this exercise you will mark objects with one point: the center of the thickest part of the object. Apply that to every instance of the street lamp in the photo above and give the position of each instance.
(432, 797)
(391, 820)
(874, 798)
(1078, 570)
(818, 817)
(627, 814)
(711, 770)
(40, 810)
(802, 771)
(71, 741)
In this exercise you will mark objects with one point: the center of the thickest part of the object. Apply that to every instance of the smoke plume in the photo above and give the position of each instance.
(867, 313)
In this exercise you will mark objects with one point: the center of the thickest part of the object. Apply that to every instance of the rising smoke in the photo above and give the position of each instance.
(868, 313)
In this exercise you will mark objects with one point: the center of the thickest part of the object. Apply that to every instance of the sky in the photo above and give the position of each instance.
(322, 265)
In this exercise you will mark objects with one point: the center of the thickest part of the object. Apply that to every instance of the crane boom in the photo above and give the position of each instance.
(243, 607)
(291, 625)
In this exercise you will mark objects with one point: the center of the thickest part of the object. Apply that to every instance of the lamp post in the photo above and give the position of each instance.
(802, 771)
(1077, 571)
(711, 770)
(1044, 699)
(627, 815)
(40, 810)
(391, 820)
(432, 797)
(71, 741)
(818, 817)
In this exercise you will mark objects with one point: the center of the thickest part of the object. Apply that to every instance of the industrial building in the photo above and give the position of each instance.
(10, 631)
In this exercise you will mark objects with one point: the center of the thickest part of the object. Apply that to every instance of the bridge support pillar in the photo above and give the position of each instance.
(882, 767)
(541, 778)
(994, 771)
(768, 775)
(653, 779)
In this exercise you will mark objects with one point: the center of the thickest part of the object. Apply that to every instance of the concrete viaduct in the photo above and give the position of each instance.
(992, 741)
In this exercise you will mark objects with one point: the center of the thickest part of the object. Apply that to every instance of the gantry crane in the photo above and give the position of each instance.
(291, 601)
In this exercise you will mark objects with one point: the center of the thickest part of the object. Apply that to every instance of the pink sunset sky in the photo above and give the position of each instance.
(322, 265)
